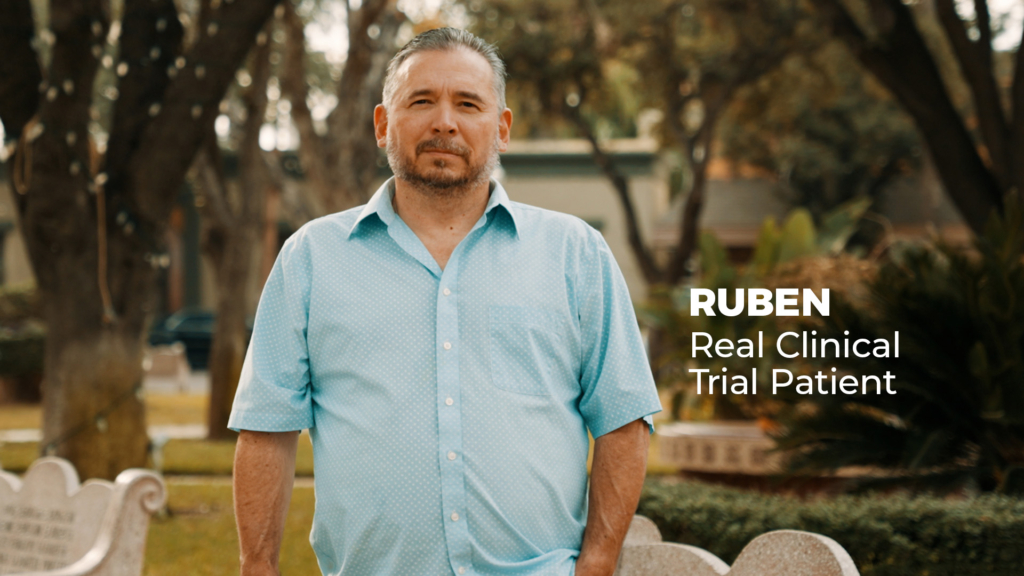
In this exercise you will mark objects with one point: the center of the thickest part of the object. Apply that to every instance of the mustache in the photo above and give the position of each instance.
(442, 145)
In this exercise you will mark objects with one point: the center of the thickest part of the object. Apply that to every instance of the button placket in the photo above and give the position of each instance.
(453, 492)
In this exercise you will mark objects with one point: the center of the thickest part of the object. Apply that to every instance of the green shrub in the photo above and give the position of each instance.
(885, 535)
(957, 415)
(19, 304)
(21, 352)
(779, 251)
(22, 338)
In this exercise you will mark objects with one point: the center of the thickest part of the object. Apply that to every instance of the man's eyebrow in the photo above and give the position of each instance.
(469, 95)
(421, 92)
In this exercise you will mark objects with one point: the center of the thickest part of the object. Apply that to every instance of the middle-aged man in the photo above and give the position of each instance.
(448, 350)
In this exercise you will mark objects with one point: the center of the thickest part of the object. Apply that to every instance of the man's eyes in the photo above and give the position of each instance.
(465, 104)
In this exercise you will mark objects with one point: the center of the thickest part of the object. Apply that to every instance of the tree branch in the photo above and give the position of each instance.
(903, 63)
(148, 50)
(353, 157)
(208, 166)
(19, 67)
(171, 140)
(984, 30)
(1016, 153)
(648, 267)
(254, 174)
(357, 63)
(975, 59)
(312, 148)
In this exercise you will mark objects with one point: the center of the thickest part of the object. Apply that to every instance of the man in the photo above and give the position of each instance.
(447, 350)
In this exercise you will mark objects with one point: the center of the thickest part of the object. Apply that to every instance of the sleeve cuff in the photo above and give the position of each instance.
(264, 422)
(609, 426)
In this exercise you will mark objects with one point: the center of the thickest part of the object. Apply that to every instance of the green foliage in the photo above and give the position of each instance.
(542, 44)
(886, 536)
(658, 55)
(797, 238)
(824, 126)
(19, 304)
(957, 417)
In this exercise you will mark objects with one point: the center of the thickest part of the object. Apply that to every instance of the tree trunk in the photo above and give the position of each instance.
(340, 166)
(93, 226)
(234, 224)
(234, 274)
(902, 62)
(92, 387)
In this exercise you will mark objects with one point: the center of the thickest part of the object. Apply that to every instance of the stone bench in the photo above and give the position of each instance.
(50, 525)
(777, 553)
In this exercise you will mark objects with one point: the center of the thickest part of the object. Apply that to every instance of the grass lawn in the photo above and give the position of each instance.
(161, 410)
(198, 536)
(189, 457)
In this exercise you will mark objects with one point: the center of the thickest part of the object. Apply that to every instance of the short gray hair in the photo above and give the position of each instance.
(443, 39)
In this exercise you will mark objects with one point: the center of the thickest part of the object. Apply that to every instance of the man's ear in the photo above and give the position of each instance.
(504, 129)
(380, 125)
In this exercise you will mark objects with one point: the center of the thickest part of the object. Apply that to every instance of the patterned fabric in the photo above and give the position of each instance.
(448, 409)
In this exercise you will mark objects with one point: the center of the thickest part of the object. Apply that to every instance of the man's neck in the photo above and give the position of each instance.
(440, 222)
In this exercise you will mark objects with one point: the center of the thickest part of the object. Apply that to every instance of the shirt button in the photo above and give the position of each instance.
(447, 345)
(462, 569)
(449, 401)
(455, 516)
(446, 292)
(451, 455)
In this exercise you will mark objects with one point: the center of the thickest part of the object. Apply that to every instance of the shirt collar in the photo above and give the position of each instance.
(381, 205)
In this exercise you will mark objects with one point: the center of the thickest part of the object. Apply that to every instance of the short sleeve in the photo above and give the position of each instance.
(615, 376)
(274, 387)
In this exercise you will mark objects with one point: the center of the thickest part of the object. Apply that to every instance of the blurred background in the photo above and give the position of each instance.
(157, 154)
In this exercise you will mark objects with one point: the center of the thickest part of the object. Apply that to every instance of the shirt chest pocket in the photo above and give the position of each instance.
(527, 352)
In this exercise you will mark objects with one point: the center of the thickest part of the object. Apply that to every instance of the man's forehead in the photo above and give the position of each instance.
(459, 69)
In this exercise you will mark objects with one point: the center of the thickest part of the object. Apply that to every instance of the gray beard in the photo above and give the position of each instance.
(442, 185)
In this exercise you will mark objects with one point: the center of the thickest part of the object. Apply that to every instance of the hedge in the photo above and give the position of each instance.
(890, 535)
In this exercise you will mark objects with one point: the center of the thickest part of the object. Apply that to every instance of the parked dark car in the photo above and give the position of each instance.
(192, 327)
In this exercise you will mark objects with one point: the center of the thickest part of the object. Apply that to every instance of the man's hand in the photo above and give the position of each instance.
(263, 478)
(616, 478)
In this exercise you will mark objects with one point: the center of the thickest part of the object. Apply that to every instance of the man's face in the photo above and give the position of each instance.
(443, 129)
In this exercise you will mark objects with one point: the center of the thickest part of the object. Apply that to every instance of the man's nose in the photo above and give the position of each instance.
(444, 120)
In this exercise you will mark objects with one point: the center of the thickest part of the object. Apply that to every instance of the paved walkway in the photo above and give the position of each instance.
(174, 431)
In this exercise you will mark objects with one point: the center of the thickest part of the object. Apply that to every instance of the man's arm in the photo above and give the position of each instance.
(263, 477)
(616, 478)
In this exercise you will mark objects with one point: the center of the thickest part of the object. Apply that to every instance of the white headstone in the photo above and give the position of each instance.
(48, 521)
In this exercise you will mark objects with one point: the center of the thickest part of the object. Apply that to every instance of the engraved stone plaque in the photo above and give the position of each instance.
(48, 521)
(51, 521)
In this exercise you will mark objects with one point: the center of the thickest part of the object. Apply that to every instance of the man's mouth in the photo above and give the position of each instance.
(441, 148)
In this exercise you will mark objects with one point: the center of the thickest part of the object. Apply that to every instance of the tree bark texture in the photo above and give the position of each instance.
(901, 60)
(714, 90)
(93, 226)
(340, 165)
(233, 229)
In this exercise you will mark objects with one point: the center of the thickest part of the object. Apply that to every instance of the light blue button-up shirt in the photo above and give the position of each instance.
(448, 409)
